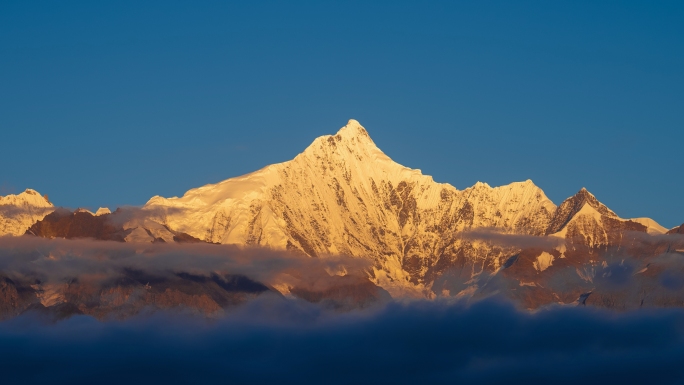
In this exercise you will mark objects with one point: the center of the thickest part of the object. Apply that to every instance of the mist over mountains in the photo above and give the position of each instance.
(339, 266)
(391, 231)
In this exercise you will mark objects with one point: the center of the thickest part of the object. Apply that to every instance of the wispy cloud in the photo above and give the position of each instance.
(59, 259)
(499, 238)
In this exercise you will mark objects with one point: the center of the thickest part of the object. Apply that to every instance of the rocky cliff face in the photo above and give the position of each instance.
(82, 224)
(583, 220)
(677, 230)
(571, 207)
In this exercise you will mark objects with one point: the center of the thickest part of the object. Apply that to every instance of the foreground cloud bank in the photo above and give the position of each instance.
(84, 311)
(269, 340)
(61, 278)
(108, 312)
(108, 279)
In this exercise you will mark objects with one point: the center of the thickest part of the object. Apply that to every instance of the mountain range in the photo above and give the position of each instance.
(343, 196)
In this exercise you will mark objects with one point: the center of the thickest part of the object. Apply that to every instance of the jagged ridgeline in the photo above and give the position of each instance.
(343, 196)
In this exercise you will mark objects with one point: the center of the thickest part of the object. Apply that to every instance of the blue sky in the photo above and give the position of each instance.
(110, 104)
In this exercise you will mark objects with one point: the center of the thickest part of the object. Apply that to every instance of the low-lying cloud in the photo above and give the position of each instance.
(499, 238)
(286, 342)
(271, 339)
(54, 260)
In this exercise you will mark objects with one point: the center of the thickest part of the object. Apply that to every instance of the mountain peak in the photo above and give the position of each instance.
(353, 130)
(102, 211)
(18, 212)
(583, 195)
(351, 141)
(571, 206)
(28, 197)
(353, 122)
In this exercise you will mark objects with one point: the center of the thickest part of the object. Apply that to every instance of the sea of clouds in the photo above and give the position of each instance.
(271, 340)
(274, 339)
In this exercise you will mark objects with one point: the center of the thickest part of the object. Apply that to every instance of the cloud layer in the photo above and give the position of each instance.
(271, 339)
(54, 260)
(286, 342)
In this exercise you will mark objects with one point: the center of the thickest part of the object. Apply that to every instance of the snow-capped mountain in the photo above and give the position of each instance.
(344, 195)
(582, 219)
(19, 212)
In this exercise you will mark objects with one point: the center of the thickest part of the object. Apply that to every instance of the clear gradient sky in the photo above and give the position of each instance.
(110, 104)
